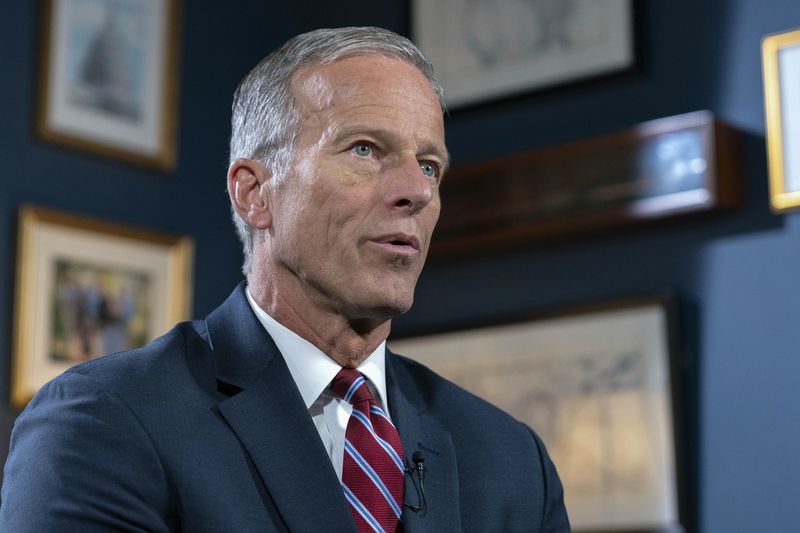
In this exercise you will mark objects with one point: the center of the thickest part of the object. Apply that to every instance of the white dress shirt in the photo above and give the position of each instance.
(313, 372)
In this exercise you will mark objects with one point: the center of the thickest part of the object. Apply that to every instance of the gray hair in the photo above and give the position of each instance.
(265, 119)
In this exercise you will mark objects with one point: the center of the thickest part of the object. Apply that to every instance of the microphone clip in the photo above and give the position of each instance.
(418, 458)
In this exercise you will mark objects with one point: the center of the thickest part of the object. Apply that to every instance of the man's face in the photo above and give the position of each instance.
(353, 217)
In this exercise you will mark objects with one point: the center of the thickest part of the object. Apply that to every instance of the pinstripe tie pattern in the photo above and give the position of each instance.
(372, 473)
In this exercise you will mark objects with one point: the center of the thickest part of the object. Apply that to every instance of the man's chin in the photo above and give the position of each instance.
(397, 309)
(379, 310)
(391, 309)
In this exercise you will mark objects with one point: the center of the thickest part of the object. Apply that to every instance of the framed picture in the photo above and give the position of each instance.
(85, 288)
(781, 62)
(109, 78)
(599, 386)
(485, 49)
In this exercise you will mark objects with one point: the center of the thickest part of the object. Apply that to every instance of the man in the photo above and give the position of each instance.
(283, 411)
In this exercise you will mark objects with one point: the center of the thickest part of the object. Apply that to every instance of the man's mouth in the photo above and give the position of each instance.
(399, 242)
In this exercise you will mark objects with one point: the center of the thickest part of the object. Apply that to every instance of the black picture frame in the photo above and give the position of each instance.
(480, 59)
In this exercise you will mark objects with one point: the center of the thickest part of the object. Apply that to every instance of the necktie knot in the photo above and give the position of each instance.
(351, 386)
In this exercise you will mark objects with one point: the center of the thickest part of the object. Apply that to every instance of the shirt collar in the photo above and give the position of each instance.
(311, 369)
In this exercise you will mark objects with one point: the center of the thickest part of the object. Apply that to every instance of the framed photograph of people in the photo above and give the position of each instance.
(781, 62)
(599, 386)
(487, 49)
(85, 288)
(109, 79)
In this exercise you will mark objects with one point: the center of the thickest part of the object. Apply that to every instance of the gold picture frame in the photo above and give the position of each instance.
(781, 63)
(86, 287)
(109, 78)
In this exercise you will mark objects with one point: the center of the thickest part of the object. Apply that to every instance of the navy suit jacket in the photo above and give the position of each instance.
(205, 430)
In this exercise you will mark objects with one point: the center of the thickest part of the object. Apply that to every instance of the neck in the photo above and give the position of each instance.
(346, 341)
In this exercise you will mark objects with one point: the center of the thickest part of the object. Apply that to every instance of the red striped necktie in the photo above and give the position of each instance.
(372, 473)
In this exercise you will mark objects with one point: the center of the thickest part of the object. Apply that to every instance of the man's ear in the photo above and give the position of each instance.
(248, 188)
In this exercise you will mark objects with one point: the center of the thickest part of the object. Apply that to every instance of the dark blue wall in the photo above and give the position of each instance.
(736, 275)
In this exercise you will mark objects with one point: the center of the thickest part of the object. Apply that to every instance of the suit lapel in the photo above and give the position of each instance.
(268, 416)
(272, 423)
(419, 431)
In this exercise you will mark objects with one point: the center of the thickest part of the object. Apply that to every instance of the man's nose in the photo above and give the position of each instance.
(408, 188)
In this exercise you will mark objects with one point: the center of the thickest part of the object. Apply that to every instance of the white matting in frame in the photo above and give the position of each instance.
(484, 49)
(596, 386)
(108, 82)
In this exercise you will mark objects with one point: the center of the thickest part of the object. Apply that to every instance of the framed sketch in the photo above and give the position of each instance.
(781, 62)
(485, 49)
(109, 78)
(598, 386)
(85, 288)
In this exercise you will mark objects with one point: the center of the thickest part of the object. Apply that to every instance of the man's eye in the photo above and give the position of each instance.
(364, 150)
(429, 169)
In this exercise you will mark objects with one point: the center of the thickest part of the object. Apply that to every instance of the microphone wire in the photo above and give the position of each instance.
(418, 458)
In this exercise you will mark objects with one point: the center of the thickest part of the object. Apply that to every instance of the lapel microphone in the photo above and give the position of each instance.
(418, 458)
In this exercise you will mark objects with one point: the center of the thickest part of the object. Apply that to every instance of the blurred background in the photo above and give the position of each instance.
(735, 274)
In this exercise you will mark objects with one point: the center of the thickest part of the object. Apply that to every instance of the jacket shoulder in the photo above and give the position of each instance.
(178, 355)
